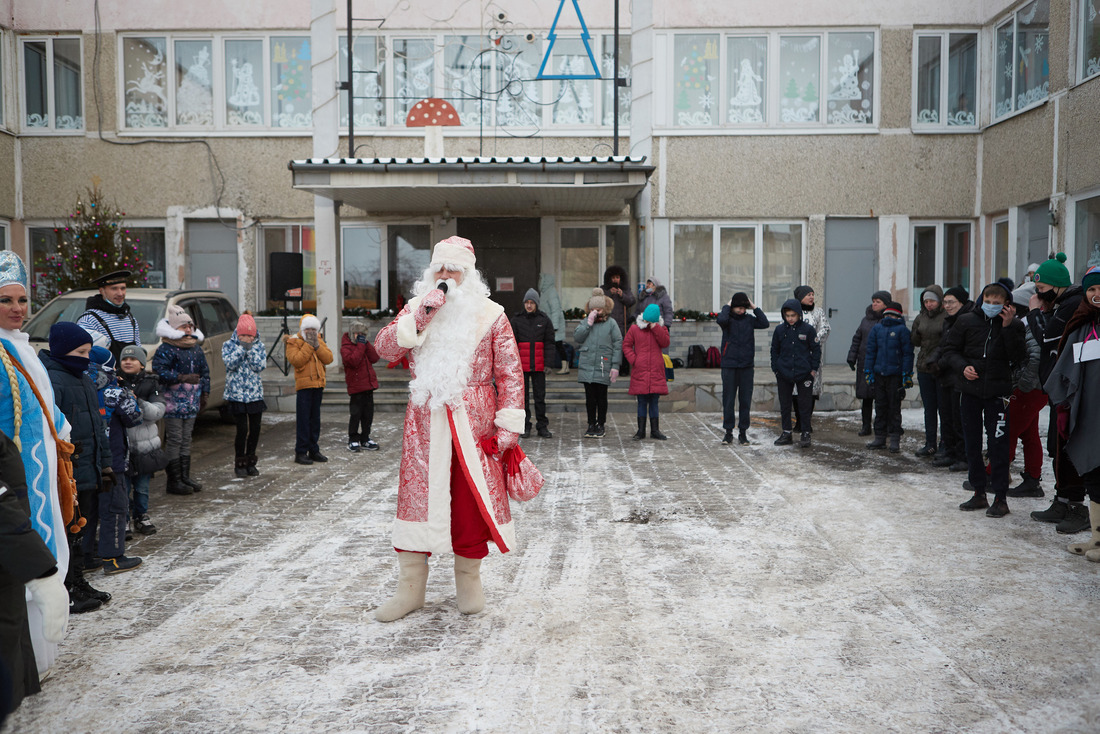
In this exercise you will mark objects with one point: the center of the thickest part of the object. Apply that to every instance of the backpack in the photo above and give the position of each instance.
(697, 356)
(714, 357)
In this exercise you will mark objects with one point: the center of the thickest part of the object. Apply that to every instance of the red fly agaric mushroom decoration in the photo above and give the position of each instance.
(432, 112)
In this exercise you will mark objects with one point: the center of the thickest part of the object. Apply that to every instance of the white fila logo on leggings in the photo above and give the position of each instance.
(1000, 426)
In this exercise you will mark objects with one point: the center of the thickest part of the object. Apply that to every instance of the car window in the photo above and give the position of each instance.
(60, 309)
(227, 313)
(192, 309)
(215, 324)
(147, 314)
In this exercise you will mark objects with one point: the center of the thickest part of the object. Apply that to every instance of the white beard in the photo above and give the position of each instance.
(444, 362)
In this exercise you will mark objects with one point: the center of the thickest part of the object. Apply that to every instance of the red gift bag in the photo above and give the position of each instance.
(521, 477)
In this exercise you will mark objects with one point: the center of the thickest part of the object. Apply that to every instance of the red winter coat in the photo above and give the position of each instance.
(358, 359)
(642, 349)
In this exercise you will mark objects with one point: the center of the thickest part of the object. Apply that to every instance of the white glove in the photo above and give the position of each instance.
(52, 599)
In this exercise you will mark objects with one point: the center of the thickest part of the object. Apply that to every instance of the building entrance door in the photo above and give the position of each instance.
(851, 270)
(507, 255)
(212, 258)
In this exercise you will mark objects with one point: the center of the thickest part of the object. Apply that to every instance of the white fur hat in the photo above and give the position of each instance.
(454, 251)
(309, 321)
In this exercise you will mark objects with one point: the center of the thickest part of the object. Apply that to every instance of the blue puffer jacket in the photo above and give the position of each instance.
(76, 397)
(889, 348)
(795, 350)
(170, 361)
(738, 340)
(242, 370)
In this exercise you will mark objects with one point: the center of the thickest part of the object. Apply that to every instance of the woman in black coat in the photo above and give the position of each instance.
(956, 302)
(858, 352)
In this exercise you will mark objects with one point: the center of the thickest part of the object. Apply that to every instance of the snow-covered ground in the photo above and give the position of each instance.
(658, 586)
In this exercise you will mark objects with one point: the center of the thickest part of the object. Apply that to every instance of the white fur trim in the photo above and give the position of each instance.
(445, 252)
(164, 331)
(406, 332)
(511, 419)
(472, 458)
(309, 321)
(643, 324)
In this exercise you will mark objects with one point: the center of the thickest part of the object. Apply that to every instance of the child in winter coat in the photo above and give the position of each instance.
(309, 354)
(888, 368)
(1074, 390)
(642, 347)
(1028, 401)
(185, 376)
(926, 333)
(146, 456)
(813, 315)
(66, 363)
(359, 356)
(796, 358)
(535, 338)
(982, 350)
(738, 361)
(857, 356)
(599, 358)
(245, 358)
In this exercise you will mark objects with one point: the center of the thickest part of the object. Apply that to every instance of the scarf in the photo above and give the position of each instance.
(99, 303)
(1084, 314)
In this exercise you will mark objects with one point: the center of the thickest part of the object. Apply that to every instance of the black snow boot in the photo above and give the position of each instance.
(866, 430)
(1029, 487)
(240, 467)
(175, 479)
(641, 428)
(878, 442)
(977, 502)
(250, 467)
(743, 438)
(655, 430)
(80, 602)
(942, 461)
(895, 444)
(79, 582)
(185, 467)
(784, 439)
(1055, 513)
(1075, 521)
(804, 442)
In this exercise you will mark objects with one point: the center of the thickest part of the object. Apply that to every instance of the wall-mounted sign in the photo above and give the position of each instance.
(506, 285)
(214, 282)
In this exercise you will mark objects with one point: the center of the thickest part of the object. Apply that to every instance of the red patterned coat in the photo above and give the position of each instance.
(492, 400)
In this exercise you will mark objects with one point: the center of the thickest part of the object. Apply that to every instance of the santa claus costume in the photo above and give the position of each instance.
(465, 408)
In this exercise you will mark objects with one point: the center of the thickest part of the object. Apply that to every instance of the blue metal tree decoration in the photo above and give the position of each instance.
(552, 37)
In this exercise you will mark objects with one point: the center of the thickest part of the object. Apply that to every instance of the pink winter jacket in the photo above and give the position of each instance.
(642, 349)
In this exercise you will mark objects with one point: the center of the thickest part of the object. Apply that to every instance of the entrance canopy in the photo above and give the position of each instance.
(473, 186)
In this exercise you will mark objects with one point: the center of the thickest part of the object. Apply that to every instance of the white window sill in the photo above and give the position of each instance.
(759, 131)
(1019, 112)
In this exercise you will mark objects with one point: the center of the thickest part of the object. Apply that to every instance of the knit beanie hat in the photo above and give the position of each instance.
(103, 356)
(740, 299)
(357, 327)
(246, 325)
(802, 291)
(893, 308)
(598, 300)
(532, 295)
(929, 295)
(133, 351)
(177, 317)
(1054, 272)
(959, 293)
(883, 296)
(1022, 295)
(652, 313)
(65, 336)
(1092, 277)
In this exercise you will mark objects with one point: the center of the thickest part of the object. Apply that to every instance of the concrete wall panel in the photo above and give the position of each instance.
(7, 176)
(1016, 161)
(895, 78)
(794, 176)
(1078, 153)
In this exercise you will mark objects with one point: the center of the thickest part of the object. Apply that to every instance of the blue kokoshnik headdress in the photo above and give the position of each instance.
(12, 270)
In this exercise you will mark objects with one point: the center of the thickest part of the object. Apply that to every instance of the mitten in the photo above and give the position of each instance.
(852, 364)
(246, 345)
(52, 599)
(869, 376)
(362, 338)
(506, 439)
(614, 375)
(907, 380)
(107, 479)
(591, 317)
(190, 378)
(429, 305)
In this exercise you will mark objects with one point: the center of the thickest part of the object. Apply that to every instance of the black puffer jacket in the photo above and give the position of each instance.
(936, 362)
(738, 340)
(535, 338)
(1052, 324)
(992, 349)
(857, 353)
(795, 350)
(77, 399)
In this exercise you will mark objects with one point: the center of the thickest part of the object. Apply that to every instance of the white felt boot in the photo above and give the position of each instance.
(412, 581)
(470, 597)
(1092, 543)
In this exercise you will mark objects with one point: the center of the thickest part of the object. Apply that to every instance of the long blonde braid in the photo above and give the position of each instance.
(16, 397)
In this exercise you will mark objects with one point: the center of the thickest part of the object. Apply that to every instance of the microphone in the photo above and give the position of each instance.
(441, 287)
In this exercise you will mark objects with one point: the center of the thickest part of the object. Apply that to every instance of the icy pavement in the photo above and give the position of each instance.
(658, 586)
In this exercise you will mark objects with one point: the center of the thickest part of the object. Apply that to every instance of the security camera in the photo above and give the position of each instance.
(530, 37)
(502, 16)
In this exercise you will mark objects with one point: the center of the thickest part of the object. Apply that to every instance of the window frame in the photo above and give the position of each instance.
(941, 225)
(601, 226)
(716, 225)
(51, 100)
(666, 124)
(1072, 233)
(1013, 20)
(942, 125)
(5, 235)
(385, 300)
(1081, 72)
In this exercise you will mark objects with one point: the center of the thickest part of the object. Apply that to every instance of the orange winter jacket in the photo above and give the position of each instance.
(309, 363)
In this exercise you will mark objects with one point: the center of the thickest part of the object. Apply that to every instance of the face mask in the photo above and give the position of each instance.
(1047, 296)
(649, 290)
(992, 309)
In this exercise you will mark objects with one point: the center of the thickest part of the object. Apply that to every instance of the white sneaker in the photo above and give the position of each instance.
(354, 446)
(370, 445)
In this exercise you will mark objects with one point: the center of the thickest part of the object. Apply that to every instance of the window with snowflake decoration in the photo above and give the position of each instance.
(799, 79)
(467, 78)
(413, 74)
(194, 91)
(607, 63)
(1021, 77)
(144, 76)
(369, 72)
(52, 85)
(747, 80)
(1086, 251)
(517, 94)
(945, 93)
(244, 83)
(695, 82)
(574, 99)
(291, 82)
(1089, 53)
(851, 79)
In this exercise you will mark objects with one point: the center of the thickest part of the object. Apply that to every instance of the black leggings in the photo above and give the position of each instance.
(595, 401)
(361, 409)
(248, 433)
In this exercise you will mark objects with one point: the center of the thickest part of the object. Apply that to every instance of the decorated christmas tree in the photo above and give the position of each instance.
(92, 242)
